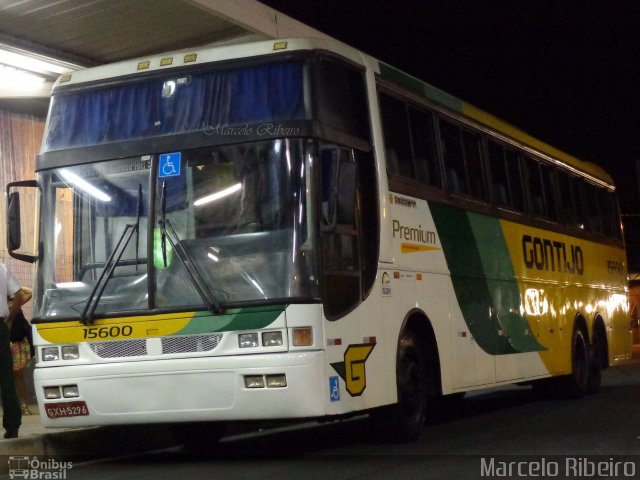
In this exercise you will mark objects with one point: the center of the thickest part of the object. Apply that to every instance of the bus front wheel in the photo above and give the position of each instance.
(403, 421)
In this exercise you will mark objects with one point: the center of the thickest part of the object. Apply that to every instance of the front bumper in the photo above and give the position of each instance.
(187, 390)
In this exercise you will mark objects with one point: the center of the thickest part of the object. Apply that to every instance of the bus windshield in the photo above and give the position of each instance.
(224, 225)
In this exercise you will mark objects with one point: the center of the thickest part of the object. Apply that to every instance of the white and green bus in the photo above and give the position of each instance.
(292, 229)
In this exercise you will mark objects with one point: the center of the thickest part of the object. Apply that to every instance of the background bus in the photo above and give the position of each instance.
(292, 229)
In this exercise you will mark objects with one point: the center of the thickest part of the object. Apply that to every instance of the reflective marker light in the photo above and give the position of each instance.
(50, 354)
(70, 391)
(254, 381)
(248, 340)
(302, 337)
(271, 339)
(51, 392)
(70, 352)
(276, 381)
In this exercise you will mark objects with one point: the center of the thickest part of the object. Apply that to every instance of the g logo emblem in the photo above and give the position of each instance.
(352, 370)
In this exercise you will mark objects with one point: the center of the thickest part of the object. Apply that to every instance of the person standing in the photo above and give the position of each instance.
(22, 351)
(12, 416)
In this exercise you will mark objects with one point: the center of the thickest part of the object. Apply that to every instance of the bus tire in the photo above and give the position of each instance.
(198, 436)
(403, 421)
(597, 351)
(576, 384)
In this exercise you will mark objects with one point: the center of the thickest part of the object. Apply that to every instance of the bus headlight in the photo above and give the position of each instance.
(248, 340)
(276, 381)
(70, 352)
(50, 354)
(70, 391)
(254, 381)
(51, 392)
(272, 339)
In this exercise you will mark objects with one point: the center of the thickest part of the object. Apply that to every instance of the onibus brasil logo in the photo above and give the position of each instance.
(37, 469)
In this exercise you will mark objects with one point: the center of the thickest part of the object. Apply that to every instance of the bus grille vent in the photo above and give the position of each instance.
(190, 343)
(127, 348)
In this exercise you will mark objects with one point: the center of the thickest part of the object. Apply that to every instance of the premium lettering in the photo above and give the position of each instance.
(413, 234)
(552, 255)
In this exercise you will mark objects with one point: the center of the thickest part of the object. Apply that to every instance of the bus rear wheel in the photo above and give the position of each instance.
(597, 359)
(404, 421)
(576, 384)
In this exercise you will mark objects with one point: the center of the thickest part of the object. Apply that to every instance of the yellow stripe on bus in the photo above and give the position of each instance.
(142, 326)
(414, 247)
(561, 277)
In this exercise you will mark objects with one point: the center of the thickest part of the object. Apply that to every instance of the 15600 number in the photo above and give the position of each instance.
(108, 332)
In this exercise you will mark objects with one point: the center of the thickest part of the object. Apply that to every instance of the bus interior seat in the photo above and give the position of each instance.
(500, 193)
(453, 181)
(393, 164)
(424, 175)
(594, 224)
(566, 215)
(537, 205)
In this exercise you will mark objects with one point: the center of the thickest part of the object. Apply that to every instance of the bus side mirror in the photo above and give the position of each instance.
(14, 232)
(15, 220)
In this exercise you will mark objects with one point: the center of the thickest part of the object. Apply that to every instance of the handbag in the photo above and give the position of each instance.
(21, 354)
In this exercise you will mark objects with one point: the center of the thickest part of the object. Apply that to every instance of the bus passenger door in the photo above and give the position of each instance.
(349, 244)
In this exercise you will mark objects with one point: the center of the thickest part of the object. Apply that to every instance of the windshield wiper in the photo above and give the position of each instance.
(88, 312)
(168, 232)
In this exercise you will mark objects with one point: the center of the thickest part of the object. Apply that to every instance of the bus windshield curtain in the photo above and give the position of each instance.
(178, 104)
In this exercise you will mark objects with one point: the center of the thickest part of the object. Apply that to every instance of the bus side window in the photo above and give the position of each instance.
(534, 184)
(579, 202)
(473, 161)
(395, 126)
(567, 211)
(499, 175)
(516, 185)
(611, 219)
(548, 185)
(453, 158)
(342, 97)
(424, 147)
(590, 193)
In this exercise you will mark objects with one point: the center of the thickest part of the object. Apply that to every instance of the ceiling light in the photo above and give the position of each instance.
(73, 179)
(218, 195)
(14, 78)
(33, 62)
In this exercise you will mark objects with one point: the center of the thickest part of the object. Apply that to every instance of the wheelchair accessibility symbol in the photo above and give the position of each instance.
(170, 164)
(334, 389)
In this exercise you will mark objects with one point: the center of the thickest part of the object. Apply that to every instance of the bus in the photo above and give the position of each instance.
(292, 229)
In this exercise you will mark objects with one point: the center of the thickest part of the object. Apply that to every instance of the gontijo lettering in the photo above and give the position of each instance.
(552, 255)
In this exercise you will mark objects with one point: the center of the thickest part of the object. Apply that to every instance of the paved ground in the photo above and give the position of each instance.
(99, 442)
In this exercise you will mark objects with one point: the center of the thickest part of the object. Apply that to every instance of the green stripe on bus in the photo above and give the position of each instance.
(253, 318)
(483, 280)
(420, 88)
(500, 276)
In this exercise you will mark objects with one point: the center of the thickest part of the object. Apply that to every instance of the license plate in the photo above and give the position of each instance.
(66, 409)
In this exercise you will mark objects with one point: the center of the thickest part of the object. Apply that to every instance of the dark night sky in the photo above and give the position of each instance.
(565, 71)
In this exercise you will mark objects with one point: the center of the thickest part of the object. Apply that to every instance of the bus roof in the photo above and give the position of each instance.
(449, 102)
(411, 84)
